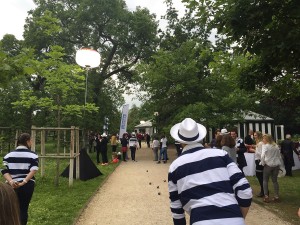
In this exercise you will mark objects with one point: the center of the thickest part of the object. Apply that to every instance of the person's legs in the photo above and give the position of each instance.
(274, 176)
(163, 154)
(155, 150)
(259, 175)
(266, 175)
(24, 194)
(287, 166)
(140, 143)
(160, 154)
(104, 156)
(132, 151)
(124, 156)
(113, 148)
(166, 154)
(98, 153)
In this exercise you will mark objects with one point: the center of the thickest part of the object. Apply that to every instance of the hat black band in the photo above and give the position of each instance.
(188, 139)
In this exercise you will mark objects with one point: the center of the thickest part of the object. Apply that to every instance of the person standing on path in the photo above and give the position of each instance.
(148, 139)
(103, 149)
(140, 138)
(155, 147)
(205, 182)
(163, 150)
(19, 169)
(124, 144)
(133, 145)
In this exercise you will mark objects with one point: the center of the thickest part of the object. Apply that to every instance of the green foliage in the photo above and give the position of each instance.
(193, 81)
(267, 34)
(59, 92)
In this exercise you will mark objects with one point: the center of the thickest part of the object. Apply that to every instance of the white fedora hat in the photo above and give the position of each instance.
(104, 135)
(188, 131)
(224, 131)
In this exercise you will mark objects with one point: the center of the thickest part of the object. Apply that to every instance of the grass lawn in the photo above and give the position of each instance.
(62, 204)
(289, 193)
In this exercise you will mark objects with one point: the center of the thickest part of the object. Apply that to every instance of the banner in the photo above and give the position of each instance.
(124, 117)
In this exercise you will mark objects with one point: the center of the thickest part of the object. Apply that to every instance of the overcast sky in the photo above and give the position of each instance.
(14, 12)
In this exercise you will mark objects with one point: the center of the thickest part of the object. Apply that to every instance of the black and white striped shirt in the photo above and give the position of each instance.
(209, 186)
(19, 163)
(133, 142)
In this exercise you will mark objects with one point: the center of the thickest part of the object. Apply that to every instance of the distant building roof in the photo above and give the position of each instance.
(253, 116)
(147, 123)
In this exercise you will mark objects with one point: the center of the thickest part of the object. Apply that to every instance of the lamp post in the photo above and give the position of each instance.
(88, 59)
(156, 122)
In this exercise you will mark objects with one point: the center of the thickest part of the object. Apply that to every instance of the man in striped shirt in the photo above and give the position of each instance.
(19, 167)
(205, 183)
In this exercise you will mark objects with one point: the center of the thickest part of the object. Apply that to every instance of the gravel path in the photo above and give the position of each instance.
(136, 193)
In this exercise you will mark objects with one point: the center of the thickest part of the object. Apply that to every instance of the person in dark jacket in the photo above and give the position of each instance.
(124, 144)
(249, 141)
(240, 150)
(287, 148)
(103, 149)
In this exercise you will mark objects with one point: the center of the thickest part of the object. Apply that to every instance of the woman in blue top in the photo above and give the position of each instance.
(19, 167)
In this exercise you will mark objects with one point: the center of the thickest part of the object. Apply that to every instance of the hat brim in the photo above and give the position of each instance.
(201, 129)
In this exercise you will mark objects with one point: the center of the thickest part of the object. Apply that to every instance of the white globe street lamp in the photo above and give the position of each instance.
(87, 58)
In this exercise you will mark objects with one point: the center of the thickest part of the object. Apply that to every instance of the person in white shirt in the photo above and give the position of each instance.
(163, 149)
(270, 159)
(155, 147)
(133, 145)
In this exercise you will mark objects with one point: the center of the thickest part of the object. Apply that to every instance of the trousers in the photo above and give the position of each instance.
(24, 194)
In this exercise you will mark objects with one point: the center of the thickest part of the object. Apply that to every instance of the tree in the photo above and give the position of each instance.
(123, 37)
(59, 93)
(257, 27)
(267, 33)
(192, 81)
(11, 59)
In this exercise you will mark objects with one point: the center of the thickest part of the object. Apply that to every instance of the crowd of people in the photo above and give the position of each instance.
(210, 172)
(270, 157)
(207, 181)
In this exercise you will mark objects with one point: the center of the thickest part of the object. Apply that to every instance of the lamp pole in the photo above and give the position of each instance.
(156, 121)
(87, 58)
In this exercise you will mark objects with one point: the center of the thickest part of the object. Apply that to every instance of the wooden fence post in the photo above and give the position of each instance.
(33, 137)
(43, 152)
(77, 153)
(71, 158)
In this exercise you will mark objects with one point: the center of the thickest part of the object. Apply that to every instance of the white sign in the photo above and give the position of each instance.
(124, 117)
